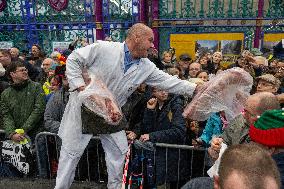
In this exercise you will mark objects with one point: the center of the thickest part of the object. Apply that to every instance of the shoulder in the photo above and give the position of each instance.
(6, 92)
(108, 44)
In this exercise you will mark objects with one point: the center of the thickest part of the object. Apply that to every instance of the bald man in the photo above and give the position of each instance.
(122, 67)
(238, 129)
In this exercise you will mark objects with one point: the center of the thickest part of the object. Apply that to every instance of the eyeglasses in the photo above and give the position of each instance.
(22, 70)
(194, 69)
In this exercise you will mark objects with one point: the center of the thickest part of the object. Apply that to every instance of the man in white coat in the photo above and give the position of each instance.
(122, 67)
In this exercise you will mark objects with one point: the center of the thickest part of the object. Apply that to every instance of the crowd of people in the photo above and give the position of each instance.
(37, 88)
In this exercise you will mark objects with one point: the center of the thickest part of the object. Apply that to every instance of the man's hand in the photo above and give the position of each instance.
(114, 115)
(216, 144)
(151, 104)
(17, 137)
(144, 138)
(131, 135)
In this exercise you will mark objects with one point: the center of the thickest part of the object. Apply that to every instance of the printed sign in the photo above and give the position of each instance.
(6, 44)
(60, 46)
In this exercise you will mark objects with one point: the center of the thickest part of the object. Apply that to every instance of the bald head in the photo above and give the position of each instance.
(138, 30)
(139, 40)
(46, 64)
(262, 101)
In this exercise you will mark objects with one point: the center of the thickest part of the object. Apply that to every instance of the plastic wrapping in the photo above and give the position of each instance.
(98, 99)
(226, 91)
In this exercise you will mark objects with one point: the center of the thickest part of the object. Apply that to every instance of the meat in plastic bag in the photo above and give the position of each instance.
(97, 98)
(226, 91)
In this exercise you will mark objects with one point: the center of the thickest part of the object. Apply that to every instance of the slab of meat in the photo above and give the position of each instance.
(226, 91)
(100, 101)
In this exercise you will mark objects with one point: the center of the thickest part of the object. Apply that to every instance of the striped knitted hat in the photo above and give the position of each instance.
(269, 129)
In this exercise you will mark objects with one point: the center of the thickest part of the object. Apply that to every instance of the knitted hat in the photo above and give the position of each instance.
(269, 129)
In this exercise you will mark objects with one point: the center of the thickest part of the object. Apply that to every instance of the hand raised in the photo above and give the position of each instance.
(151, 104)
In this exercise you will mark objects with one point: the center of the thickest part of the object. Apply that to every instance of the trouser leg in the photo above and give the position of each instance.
(115, 147)
(66, 169)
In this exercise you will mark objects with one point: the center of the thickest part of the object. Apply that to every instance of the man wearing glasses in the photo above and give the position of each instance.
(238, 130)
(22, 104)
(267, 83)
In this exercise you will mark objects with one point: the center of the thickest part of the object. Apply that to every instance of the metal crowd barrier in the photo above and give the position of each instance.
(92, 164)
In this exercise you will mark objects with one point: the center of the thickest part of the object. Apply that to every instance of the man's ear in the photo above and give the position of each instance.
(216, 182)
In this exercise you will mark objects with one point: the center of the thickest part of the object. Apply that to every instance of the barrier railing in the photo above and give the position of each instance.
(166, 165)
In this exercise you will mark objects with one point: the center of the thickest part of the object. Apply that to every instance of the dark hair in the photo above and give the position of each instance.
(41, 53)
(13, 66)
(252, 163)
(201, 72)
(5, 52)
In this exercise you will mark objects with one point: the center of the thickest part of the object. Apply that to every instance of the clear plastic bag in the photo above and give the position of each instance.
(227, 91)
(98, 99)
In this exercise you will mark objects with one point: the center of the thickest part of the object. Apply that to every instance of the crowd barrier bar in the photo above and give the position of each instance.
(98, 155)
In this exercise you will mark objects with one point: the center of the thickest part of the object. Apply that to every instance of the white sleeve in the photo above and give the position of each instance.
(77, 60)
(170, 83)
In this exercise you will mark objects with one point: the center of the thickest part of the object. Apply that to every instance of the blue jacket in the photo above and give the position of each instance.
(213, 127)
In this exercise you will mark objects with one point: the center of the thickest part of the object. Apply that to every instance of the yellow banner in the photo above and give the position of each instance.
(273, 37)
(189, 43)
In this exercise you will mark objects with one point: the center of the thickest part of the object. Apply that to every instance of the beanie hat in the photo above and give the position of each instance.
(269, 129)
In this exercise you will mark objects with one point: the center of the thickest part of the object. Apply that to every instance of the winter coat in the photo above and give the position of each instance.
(54, 110)
(22, 106)
(213, 128)
(167, 126)
(236, 132)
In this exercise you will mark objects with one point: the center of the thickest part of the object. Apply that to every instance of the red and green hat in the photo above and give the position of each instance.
(269, 129)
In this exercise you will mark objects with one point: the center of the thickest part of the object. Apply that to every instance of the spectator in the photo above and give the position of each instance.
(203, 74)
(14, 53)
(134, 111)
(43, 75)
(238, 129)
(267, 83)
(167, 60)
(247, 166)
(183, 65)
(36, 57)
(243, 166)
(216, 60)
(22, 104)
(214, 128)
(194, 68)
(56, 105)
(163, 123)
(5, 61)
(267, 131)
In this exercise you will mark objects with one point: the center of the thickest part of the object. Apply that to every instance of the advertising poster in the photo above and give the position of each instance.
(60, 46)
(231, 44)
(269, 41)
(6, 44)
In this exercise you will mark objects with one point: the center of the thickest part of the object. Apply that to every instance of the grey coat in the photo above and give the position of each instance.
(54, 110)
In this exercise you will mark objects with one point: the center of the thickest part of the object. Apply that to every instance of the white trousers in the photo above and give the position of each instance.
(115, 147)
